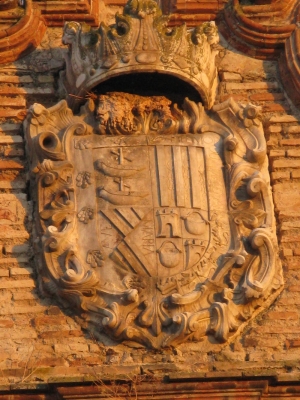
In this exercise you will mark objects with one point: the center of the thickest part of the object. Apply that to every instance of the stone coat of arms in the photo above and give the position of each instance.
(153, 220)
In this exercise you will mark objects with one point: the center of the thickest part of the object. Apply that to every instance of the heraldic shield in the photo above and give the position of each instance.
(155, 222)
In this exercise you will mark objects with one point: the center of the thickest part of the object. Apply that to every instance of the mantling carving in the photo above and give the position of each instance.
(139, 41)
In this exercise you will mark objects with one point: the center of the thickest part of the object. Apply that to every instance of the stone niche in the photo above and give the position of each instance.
(154, 216)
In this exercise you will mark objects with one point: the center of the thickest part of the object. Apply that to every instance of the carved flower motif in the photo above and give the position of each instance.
(59, 213)
(250, 116)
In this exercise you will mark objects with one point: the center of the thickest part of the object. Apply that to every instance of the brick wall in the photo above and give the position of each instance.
(41, 342)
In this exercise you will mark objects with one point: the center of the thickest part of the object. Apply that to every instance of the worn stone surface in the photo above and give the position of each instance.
(142, 222)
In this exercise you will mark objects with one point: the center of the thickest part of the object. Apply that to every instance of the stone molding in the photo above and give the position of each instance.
(145, 387)
(24, 36)
(290, 66)
(242, 27)
(56, 13)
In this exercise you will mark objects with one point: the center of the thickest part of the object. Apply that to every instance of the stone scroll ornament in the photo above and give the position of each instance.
(154, 221)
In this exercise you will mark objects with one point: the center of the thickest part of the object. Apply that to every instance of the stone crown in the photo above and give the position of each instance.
(140, 41)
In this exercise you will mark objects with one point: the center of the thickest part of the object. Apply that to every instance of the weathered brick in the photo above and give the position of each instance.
(290, 238)
(10, 151)
(286, 315)
(16, 284)
(15, 79)
(15, 184)
(290, 142)
(45, 78)
(231, 76)
(273, 141)
(280, 175)
(286, 163)
(16, 249)
(77, 347)
(9, 128)
(266, 97)
(294, 288)
(60, 333)
(6, 323)
(54, 310)
(292, 343)
(277, 153)
(24, 295)
(292, 129)
(18, 333)
(274, 129)
(274, 108)
(287, 252)
(9, 164)
(6, 139)
(21, 271)
(285, 199)
(14, 234)
(251, 85)
(295, 174)
(10, 261)
(293, 153)
(22, 310)
(46, 320)
(4, 273)
(283, 119)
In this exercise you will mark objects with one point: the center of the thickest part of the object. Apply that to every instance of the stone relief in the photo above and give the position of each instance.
(154, 220)
(160, 230)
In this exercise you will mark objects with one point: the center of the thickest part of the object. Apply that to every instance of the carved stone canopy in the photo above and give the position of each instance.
(139, 42)
(154, 221)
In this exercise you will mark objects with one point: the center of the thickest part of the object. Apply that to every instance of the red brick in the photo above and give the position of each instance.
(292, 343)
(294, 263)
(46, 320)
(6, 323)
(236, 97)
(251, 85)
(274, 129)
(60, 333)
(286, 163)
(266, 96)
(10, 165)
(287, 252)
(277, 153)
(295, 174)
(293, 153)
(280, 175)
(294, 288)
(273, 107)
(290, 142)
(286, 315)
(290, 237)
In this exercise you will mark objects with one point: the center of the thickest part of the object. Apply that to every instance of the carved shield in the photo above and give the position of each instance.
(155, 224)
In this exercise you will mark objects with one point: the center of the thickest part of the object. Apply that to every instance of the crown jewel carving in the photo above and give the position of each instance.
(140, 41)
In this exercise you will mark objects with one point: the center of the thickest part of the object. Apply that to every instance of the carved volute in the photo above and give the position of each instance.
(154, 220)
